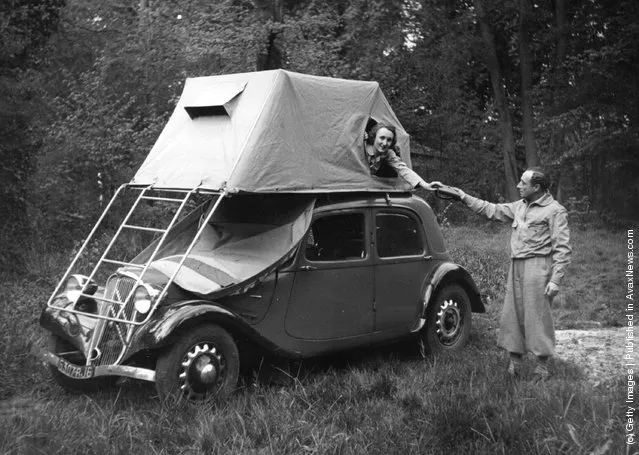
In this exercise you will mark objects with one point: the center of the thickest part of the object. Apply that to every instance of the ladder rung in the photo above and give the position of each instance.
(156, 198)
(91, 296)
(101, 299)
(142, 228)
(129, 264)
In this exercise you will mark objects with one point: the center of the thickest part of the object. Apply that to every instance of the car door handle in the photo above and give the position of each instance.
(306, 268)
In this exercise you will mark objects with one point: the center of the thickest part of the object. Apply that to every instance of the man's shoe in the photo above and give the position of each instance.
(541, 373)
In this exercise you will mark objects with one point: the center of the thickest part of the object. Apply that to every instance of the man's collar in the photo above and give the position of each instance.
(542, 201)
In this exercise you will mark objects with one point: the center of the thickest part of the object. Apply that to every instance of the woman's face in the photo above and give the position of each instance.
(383, 140)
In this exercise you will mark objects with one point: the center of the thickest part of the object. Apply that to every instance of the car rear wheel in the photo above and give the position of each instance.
(203, 365)
(448, 320)
(66, 350)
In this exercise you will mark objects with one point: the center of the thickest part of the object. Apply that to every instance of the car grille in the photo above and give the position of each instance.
(115, 337)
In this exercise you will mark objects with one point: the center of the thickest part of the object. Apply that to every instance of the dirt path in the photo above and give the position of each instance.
(599, 351)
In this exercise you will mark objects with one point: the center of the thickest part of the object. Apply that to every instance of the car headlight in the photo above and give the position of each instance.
(143, 298)
(75, 285)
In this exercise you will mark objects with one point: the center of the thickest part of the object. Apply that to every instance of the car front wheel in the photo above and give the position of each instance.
(448, 320)
(202, 365)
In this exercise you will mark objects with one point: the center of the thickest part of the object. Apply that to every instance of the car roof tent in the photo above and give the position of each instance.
(270, 132)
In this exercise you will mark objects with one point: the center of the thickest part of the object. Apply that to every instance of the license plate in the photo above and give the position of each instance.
(74, 371)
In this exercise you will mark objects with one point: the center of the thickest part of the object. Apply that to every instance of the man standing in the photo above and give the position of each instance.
(540, 253)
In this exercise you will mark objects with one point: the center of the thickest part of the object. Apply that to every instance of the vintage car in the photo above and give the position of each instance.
(278, 245)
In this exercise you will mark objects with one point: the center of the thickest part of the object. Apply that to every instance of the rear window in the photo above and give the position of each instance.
(398, 234)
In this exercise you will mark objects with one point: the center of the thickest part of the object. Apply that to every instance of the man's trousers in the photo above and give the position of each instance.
(526, 322)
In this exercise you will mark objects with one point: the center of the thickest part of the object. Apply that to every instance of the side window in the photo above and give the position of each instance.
(336, 238)
(398, 235)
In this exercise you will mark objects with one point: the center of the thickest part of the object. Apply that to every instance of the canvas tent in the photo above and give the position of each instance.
(268, 141)
(271, 131)
(243, 240)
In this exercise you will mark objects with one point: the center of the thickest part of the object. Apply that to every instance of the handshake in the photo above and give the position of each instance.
(446, 192)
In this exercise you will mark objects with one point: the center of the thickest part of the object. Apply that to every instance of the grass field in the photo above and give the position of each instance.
(387, 400)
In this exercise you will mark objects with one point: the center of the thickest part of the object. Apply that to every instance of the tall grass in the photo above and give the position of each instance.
(379, 403)
(372, 401)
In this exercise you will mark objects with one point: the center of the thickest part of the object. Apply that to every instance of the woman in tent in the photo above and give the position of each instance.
(383, 156)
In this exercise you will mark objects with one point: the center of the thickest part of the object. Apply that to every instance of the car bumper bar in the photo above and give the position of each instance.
(103, 370)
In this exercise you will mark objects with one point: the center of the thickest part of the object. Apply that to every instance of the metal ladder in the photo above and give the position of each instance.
(104, 259)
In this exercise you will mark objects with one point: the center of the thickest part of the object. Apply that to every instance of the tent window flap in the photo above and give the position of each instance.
(214, 101)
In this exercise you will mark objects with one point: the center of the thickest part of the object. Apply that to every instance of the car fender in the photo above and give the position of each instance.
(176, 318)
(449, 272)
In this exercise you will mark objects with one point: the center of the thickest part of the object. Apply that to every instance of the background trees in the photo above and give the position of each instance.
(24, 26)
(490, 85)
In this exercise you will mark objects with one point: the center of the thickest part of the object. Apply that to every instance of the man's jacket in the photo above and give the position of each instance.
(540, 228)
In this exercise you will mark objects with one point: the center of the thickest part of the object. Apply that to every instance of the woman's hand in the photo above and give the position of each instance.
(432, 186)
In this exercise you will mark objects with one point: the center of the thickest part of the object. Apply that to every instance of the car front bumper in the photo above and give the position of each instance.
(103, 370)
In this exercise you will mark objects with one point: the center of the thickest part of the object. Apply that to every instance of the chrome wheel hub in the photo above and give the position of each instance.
(202, 370)
(449, 322)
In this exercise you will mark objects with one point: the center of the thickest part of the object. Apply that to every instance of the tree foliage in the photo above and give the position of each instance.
(85, 88)
(24, 26)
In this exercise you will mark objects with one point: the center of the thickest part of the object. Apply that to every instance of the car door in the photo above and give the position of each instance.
(332, 294)
(399, 253)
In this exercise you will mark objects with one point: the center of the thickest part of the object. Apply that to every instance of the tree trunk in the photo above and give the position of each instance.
(559, 194)
(270, 12)
(505, 122)
(562, 36)
(532, 158)
(557, 137)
